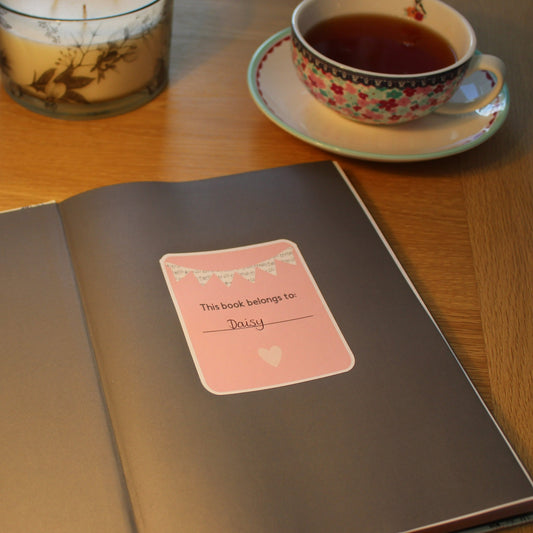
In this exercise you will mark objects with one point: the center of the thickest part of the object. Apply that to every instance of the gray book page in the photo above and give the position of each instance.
(58, 469)
(401, 442)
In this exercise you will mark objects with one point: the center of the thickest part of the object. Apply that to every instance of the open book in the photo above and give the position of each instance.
(239, 354)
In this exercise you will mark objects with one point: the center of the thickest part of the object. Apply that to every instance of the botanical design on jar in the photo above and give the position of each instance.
(3, 21)
(61, 83)
(4, 63)
(416, 12)
(92, 69)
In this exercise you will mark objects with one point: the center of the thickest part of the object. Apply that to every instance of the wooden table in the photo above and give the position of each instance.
(461, 226)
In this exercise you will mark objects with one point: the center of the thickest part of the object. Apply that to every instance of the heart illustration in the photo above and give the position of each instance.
(271, 355)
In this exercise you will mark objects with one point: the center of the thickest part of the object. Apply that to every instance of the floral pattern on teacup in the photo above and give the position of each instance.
(416, 12)
(371, 99)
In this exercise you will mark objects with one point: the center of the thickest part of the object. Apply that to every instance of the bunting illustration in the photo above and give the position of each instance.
(227, 276)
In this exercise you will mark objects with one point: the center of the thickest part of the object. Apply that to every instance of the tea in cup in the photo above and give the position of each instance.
(388, 62)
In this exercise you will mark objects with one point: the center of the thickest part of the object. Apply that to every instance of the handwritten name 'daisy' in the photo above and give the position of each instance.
(256, 323)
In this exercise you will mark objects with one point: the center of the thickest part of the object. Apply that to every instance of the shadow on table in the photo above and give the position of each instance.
(199, 31)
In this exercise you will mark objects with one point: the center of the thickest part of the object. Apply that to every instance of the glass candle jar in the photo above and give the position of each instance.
(74, 60)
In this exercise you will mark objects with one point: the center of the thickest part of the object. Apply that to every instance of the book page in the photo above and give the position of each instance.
(58, 466)
(380, 446)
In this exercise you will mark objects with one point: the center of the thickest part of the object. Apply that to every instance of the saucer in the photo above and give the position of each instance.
(280, 95)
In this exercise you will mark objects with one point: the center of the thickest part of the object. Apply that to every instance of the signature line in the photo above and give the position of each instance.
(254, 327)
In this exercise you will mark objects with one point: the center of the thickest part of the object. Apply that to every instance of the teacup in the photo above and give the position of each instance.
(379, 97)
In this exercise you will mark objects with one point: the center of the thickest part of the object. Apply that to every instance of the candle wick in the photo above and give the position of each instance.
(84, 11)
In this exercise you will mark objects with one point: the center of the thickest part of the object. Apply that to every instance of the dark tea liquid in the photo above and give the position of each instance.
(381, 43)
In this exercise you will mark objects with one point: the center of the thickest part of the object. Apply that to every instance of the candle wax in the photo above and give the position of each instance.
(94, 72)
(84, 61)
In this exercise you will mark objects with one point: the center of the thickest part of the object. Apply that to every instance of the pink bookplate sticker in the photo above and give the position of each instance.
(254, 317)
